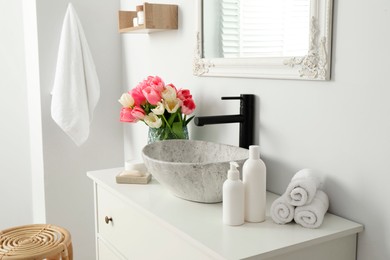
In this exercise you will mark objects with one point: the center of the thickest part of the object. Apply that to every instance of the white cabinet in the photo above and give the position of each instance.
(104, 252)
(148, 222)
(134, 234)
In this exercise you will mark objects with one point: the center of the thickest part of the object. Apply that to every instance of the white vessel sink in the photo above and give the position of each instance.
(190, 169)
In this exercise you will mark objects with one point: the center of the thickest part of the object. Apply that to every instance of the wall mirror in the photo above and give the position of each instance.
(282, 39)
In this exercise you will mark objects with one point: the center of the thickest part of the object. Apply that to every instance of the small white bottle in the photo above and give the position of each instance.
(140, 14)
(254, 179)
(233, 195)
(135, 22)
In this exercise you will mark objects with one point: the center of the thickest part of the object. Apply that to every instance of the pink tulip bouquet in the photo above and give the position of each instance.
(162, 107)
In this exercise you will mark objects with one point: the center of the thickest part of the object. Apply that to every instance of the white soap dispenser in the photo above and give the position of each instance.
(233, 196)
(254, 179)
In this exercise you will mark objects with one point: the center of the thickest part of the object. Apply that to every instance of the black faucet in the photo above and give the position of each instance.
(245, 118)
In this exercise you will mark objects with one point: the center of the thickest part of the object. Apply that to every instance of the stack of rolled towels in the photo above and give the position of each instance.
(303, 201)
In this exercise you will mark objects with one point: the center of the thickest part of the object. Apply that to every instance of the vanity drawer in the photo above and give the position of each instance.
(138, 236)
(117, 222)
(106, 253)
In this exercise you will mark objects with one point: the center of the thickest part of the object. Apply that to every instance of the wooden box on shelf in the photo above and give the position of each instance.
(158, 17)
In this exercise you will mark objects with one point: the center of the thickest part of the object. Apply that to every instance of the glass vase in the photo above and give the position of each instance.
(160, 134)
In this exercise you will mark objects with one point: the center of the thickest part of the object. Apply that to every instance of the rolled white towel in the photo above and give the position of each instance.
(302, 188)
(312, 215)
(281, 211)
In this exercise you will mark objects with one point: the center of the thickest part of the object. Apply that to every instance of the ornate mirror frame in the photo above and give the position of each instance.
(313, 66)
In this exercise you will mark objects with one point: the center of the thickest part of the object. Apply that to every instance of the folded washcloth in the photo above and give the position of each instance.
(281, 211)
(312, 215)
(76, 87)
(302, 188)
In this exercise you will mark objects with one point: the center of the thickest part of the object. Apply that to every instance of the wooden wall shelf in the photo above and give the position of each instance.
(158, 17)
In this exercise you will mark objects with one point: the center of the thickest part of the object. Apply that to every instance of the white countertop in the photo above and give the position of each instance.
(201, 224)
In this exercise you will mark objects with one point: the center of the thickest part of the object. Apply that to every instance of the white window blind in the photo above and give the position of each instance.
(265, 28)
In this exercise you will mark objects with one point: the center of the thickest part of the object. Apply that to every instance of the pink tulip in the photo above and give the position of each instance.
(127, 116)
(138, 96)
(156, 82)
(183, 94)
(188, 106)
(157, 98)
(138, 113)
(152, 95)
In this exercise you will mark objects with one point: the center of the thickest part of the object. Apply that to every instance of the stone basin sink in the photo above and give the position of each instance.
(190, 169)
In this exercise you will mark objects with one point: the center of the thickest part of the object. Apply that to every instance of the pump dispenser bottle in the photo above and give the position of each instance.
(233, 198)
(254, 179)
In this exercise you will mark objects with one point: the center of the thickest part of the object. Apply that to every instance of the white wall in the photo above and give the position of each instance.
(52, 186)
(68, 191)
(34, 111)
(15, 176)
(339, 128)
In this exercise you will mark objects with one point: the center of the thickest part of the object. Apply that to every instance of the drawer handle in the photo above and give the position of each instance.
(107, 219)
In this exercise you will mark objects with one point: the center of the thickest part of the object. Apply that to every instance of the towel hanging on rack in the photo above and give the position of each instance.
(76, 89)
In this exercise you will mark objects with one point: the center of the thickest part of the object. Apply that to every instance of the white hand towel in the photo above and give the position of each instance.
(76, 88)
(302, 188)
(312, 215)
(281, 211)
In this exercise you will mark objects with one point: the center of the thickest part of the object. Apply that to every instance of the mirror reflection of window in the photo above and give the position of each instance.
(258, 28)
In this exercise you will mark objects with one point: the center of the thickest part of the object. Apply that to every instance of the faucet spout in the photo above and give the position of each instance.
(211, 120)
(245, 119)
